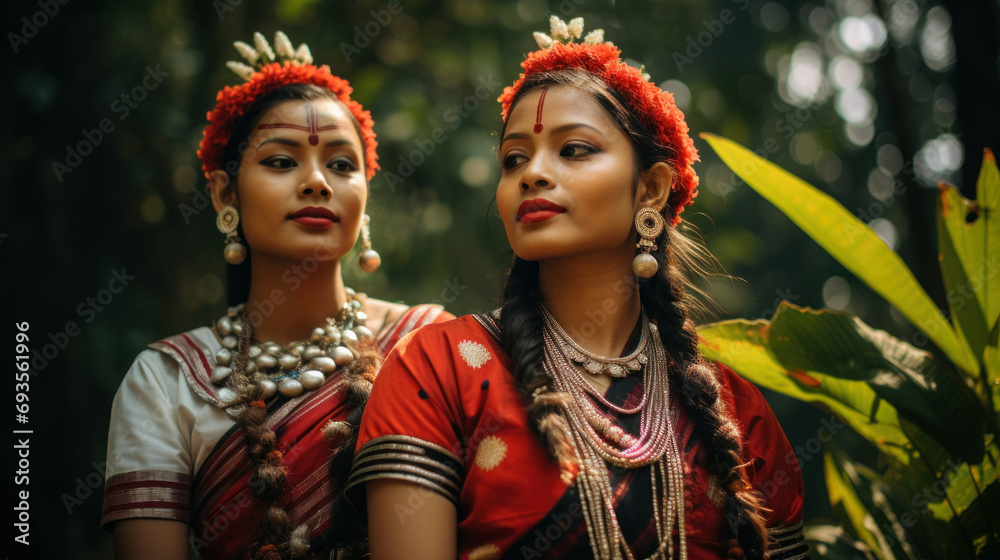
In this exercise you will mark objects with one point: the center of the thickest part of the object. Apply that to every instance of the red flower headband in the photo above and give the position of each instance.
(272, 72)
(652, 104)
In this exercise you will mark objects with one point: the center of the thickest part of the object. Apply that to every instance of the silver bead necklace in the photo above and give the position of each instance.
(302, 365)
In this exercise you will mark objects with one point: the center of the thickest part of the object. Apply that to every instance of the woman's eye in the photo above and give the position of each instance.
(513, 160)
(577, 150)
(279, 162)
(343, 165)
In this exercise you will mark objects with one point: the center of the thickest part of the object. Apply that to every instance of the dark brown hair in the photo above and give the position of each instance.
(667, 301)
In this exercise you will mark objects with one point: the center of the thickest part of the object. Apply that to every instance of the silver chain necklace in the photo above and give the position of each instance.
(592, 431)
(594, 364)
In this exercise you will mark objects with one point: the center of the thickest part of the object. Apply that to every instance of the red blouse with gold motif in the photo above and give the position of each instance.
(445, 413)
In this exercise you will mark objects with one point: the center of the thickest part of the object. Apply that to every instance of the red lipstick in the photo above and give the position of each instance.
(314, 217)
(537, 210)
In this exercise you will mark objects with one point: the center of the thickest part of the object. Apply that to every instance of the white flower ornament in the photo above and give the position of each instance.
(303, 54)
(261, 53)
(595, 36)
(576, 27)
(561, 32)
(543, 40)
(263, 49)
(246, 51)
(240, 69)
(282, 46)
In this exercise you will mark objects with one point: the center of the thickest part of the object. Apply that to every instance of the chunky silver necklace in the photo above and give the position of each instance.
(594, 364)
(599, 441)
(290, 370)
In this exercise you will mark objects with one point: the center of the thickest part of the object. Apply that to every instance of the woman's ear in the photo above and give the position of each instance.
(222, 190)
(654, 186)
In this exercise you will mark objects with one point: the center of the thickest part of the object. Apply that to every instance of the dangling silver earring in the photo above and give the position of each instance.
(227, 222)
(369, 259)
(649, 223)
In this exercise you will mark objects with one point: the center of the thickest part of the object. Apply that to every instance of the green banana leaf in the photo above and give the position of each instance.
(988, 200)
(969, 241)
(946, 495)
(991, 357)
(850, 241)
(962, 246)
(835, 359)
(976, 526)
(833, 543)
(859, 498)
(742, 346)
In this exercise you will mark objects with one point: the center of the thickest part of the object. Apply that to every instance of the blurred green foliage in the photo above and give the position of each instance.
(856, 96)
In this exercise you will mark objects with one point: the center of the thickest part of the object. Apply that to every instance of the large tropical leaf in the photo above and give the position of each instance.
(833, 543)
(860, 499)
(802, 351)
(946, 495)
(991, 357)
(850, 241)
(988, 201)
(743, 346)
(960, 248)
(969, 241)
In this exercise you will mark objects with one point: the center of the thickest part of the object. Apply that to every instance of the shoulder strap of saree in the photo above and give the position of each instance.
(192, 359)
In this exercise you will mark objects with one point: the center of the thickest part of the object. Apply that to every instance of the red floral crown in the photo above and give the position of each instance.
(653, 105)
(270, 70)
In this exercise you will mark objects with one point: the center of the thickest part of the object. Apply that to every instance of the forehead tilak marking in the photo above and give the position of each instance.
(538, 115)
(311, 126)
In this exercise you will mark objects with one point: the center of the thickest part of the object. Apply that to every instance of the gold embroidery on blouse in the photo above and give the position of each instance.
(473, 353)
(485, 552)
(491, 452)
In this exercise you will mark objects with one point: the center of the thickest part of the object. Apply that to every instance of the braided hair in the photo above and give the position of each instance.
(666, 300)
(277, 539)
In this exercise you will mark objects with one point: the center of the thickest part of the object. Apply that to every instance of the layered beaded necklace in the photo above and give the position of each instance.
(599, 441)
(241, 363)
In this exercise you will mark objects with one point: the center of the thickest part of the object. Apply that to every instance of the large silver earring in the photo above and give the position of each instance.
(227, 222)
(369, 259)
(649, 223)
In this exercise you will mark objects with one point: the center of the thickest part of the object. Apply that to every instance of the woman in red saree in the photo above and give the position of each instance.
(220, 442)
(578, 420)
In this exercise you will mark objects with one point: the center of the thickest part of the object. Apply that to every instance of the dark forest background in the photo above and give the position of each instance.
(873, 101)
